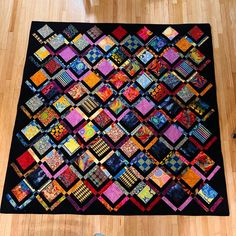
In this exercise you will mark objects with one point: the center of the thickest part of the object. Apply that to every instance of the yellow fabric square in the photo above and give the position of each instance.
(72, 145)
(42, 53)
(30, 131)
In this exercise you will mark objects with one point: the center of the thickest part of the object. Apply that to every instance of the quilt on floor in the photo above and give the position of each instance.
(117, 119)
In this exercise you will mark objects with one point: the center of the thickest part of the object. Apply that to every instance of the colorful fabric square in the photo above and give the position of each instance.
(143, 162)
(132, 44)
(106, 44)
(171, 54)
(144, 33)
(118, 56)
(105, 67)
(80, 42)
(132, 67)
(113, 193)
(47, 116)
(145, 56)
(131, 93)
(184, 44)
(88, 131)
(34, 103)
(67, 54)
(119, 32)
(173, 133)
(144, 80)
(94, 55)
(158, 43)
(207, 193)
(171, 80)
(170, 33)
(191, 178)
(52, 66)
(201, 133)
(196, 33)
(160, 178)
(116, 119)
(175, 164)
(57, 41)
(53, 159)
(184, 68)
(58, 132)
(74, 117)
(78, 66)
(31, 130)
(65, 78)
(176, 195)
(71, 145)
(85, 161)
(104, 93)
(94, 33)
(42, 53)
(43, 145)
(114, 132)
(91, 79)
(45, 31)
(39, 78)
(145, 106)
(61, 104)
(196, 56)
(204, 161)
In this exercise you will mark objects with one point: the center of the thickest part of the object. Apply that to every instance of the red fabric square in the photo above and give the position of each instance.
(25, 160)
(119, 32)
(52, 66)
(195, 33)
(144, 33)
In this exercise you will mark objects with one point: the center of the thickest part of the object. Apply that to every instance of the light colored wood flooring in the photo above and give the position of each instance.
(15, 19)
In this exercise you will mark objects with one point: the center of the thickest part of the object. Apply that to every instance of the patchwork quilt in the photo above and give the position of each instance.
(117, 119)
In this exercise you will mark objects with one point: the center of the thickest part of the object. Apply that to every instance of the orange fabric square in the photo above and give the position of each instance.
(91, 79)
(191, 178)
(38, 78)
(183, 44)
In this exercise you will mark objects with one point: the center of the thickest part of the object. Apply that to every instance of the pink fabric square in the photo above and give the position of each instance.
(113, 193)
(105, 67)
(173, 133)
(144, 106)
(74, 117)
(67, 54)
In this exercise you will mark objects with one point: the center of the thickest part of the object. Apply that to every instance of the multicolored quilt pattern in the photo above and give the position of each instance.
(117, 119)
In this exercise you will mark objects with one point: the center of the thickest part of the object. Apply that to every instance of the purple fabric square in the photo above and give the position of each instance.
(67, 54)
(113, 193)
(105, 67)
(173, 133)
(171, 55)
(74, 117)
(144, 106)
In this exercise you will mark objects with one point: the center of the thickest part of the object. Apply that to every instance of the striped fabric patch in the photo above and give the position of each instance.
(201, 133)
(184, 68)
(64, 79)
(89, 105)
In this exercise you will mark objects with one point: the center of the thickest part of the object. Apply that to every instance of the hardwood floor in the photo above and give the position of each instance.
(15, 19)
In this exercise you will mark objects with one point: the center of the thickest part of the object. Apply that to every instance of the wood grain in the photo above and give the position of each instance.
(15, 19)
